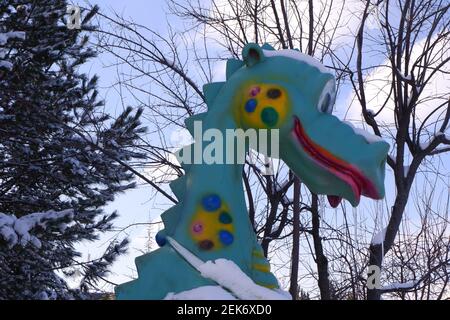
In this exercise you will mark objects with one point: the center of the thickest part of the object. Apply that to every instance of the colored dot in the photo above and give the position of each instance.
(206, 245)
(225, 218)
(269, 116)
(226, 237)
(254, 91)
(250, 105)
(160, 239)
(211, 202)
(273, 93)
(197, 227)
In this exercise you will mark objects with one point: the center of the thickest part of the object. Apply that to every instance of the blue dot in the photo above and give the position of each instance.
(160, 239)
(211, 202)
(250, 105)
(226, 237)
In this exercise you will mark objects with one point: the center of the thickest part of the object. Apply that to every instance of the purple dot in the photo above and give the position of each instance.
(254, 91)
(197, 228)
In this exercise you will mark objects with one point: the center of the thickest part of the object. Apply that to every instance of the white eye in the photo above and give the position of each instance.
(327, 98)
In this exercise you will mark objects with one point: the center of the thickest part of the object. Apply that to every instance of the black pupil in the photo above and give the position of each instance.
(326, 103)
(274, 93)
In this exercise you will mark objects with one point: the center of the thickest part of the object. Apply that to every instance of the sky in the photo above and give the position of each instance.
(137, 205)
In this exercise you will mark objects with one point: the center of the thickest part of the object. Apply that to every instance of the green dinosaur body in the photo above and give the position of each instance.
(269, 89)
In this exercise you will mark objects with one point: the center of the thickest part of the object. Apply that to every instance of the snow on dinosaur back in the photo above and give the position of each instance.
(268, 89)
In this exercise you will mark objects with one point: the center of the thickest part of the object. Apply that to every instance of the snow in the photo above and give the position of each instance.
(77, 167)
(297, 55)
(17, 230)
(378, 238)
(369, 137)
(404, 77)
(405, 171)
(400, 285)
(446, 136)
(392, 158)
(4, 37)
(228, 275)
(202, 293)
(11, 35)
(42, 296)
(6, 117)
(408, 77)
(6, 64)
(426, 144)
(12, 9)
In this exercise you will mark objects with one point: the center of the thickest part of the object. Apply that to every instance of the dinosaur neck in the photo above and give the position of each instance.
(222, 156)
(213, 210)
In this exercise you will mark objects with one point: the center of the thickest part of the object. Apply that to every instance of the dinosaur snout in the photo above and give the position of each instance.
(341, 161)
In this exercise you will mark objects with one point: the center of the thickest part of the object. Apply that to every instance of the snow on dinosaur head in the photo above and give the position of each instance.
(293, 92)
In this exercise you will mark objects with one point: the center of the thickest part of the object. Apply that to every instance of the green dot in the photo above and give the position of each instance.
(269, 116)
(225, 218)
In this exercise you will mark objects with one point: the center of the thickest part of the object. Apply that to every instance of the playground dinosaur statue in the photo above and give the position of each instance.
(268, 89)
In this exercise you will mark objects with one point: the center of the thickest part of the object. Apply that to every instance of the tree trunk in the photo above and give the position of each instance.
(377, 252)
(293, 289)
(321, 259)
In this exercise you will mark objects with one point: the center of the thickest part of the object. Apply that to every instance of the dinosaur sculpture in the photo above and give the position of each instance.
(269, 89)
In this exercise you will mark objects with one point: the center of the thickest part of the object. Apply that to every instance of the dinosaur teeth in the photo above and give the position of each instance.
(334, 200)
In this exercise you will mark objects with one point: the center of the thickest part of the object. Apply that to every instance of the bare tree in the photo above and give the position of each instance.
(415, 44)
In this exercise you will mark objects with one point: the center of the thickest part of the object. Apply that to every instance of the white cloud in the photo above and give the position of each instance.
(378, 86)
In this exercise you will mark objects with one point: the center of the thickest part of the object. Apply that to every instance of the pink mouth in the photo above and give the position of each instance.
(338, 167)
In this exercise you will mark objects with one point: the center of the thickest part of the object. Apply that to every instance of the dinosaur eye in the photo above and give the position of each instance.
(327, 97)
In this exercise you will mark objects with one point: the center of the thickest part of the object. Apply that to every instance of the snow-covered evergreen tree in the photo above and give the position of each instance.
(61, 158)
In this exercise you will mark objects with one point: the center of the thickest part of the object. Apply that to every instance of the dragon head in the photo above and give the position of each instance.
(293, 92)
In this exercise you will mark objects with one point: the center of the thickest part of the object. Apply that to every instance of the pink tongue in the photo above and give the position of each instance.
(334, 200)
